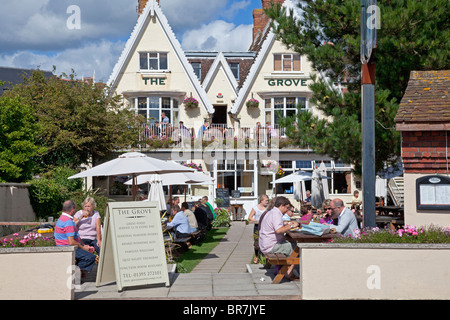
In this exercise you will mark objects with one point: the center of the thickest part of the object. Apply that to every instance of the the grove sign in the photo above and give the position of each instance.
(286, 82)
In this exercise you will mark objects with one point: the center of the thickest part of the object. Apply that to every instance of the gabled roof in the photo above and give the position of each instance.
(263, 45)
(152, 9)
(426, 100)
(220, 62)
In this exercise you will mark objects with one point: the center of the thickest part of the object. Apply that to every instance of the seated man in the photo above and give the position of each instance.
(181, 223)
(346, 220)
(189, 214)
(66, 234)
(272, 230)
(202, 216)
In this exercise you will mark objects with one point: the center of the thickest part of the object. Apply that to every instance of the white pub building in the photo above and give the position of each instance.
(221, 110)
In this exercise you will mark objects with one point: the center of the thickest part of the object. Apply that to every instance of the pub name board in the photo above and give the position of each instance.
(286, 82)
(155, 81)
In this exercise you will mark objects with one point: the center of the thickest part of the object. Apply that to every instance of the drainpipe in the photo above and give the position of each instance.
(234, 118)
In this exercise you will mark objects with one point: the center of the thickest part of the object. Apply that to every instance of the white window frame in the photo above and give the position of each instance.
(199, 75)
(284, 57)
(272, 109)
(172, 109)
(158, 58)
(237, 73)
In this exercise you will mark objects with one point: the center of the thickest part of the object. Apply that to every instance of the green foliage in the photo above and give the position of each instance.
(222, 218)
(18, 150)
(75, 120)
(189, 259)
(413, 36)
(48, 193)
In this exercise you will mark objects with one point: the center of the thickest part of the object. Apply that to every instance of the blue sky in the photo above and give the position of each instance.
(47, 33)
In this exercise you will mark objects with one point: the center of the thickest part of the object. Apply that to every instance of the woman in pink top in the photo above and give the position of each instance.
(88, 222)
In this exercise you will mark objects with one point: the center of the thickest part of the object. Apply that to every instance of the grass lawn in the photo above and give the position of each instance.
(189, 259)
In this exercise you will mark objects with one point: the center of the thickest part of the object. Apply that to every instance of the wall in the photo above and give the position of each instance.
(374, 271)
(424, 153)
(15, 203)
(37, 273)
(421, 218)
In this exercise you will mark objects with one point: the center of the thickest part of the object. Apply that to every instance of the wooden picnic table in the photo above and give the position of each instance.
(386, 210)
(298, 237)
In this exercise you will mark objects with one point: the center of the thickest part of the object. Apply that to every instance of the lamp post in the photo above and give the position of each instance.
(369, 24)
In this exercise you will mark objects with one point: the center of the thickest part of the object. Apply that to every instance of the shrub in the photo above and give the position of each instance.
(222, 218)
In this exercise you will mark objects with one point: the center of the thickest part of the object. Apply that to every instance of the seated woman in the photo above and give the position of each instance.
(88, 222)
(306, 214)
(181, 223)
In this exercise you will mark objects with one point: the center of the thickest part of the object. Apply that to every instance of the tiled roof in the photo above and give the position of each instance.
(426, 99)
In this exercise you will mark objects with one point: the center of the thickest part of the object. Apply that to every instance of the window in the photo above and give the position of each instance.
(153, 61)
(197, 69)
(236, 175)
(234, 66)
(282, 107)
(152, 107)
(286, 62)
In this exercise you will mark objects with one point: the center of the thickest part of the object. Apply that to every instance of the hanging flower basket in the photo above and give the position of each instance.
(190, 102)
(252, 103)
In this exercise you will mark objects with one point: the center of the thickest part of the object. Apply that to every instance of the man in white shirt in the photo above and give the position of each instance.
(346, 220)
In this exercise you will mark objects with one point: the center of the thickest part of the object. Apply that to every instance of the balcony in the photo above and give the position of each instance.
(162, 136)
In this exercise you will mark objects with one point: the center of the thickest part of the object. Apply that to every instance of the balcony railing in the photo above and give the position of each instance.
(165, 136)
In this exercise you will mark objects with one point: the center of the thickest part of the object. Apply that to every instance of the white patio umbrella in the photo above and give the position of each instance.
(294, 177)
(156, 192)
(177, 178)
(132, 164)
(169, 179)
(323, 172)
(316, 189)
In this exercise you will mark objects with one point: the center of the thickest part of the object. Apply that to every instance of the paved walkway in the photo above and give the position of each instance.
(225, 273)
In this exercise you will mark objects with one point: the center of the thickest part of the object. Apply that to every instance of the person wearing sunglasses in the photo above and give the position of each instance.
(327, 214)
(347, 223)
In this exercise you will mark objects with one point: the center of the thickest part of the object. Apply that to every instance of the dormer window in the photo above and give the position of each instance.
(286, 62)
(153, 61)
(234, 66)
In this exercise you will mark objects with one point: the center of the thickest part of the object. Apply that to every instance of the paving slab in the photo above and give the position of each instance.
(225, 273)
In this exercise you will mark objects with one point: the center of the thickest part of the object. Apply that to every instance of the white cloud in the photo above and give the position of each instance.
(184, 15)
(93, 57)
(218, 36)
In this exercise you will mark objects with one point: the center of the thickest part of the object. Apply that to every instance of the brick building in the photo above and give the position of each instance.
(424, 121)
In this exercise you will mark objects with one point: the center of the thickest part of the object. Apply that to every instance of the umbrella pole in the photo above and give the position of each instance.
(133, 189)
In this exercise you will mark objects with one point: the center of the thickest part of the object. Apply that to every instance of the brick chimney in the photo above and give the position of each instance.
(141, 6)
(260, 19)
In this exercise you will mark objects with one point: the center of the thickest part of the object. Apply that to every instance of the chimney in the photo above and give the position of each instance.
(260, 19)
(141, 6)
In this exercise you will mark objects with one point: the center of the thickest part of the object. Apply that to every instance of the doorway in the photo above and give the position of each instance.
(220, 114)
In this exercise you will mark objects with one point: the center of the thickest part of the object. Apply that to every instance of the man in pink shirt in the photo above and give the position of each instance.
(272, 230)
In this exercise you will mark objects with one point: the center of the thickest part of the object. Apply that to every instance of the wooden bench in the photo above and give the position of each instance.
(284, 261)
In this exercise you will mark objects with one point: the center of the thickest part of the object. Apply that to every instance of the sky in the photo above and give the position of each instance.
(88, 36)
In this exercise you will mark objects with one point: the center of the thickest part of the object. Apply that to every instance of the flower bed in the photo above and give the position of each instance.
(407, 234)
(410, 263)
(32, 239)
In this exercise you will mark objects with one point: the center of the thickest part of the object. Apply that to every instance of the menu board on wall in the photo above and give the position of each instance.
(433, 193)
(133, 252)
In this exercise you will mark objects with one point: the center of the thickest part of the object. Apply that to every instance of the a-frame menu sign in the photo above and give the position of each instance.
(132, 251)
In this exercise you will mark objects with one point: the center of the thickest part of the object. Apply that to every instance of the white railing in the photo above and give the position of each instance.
(260, 136)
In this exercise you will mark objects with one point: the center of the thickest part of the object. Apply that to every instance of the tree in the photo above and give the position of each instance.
(18, 150)
(77, 121)
(413, 36)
